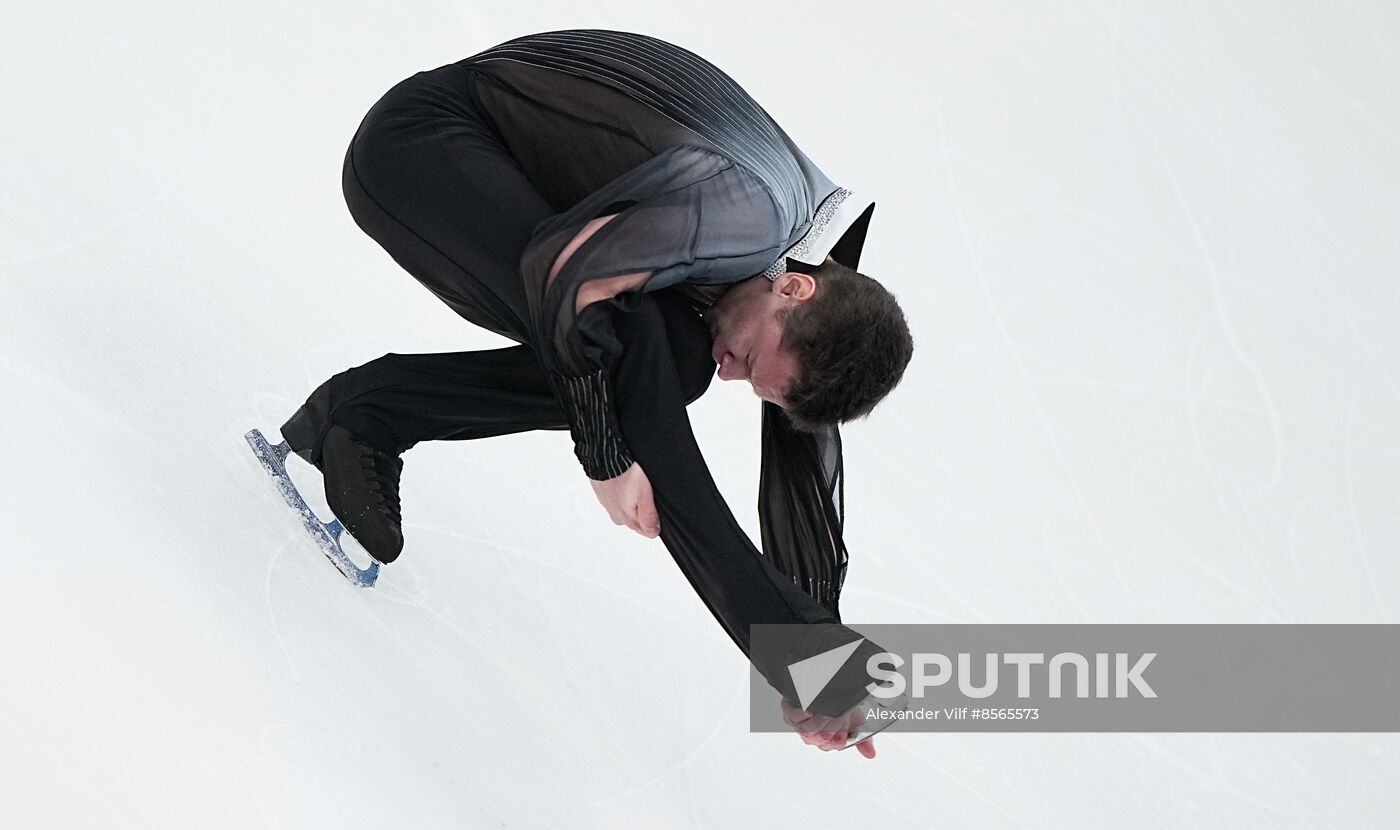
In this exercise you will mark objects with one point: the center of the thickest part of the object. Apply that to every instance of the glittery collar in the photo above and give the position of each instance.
(837, 212)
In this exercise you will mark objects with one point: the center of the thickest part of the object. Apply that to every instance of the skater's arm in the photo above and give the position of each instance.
(741, 586)
(627, 498)
(617, 481)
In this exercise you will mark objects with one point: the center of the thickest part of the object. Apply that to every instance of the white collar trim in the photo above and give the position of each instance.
(837, 212)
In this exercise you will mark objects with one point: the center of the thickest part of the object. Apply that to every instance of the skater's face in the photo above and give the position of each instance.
(748, 332)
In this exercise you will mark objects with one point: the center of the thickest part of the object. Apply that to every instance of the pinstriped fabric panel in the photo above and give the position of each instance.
(600, 450)
(678, 83)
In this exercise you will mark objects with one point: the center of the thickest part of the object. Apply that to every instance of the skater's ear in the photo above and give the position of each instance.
(795, 286)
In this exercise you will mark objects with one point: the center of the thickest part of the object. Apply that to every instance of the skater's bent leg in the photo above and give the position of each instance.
(427, 178)
(398, 400)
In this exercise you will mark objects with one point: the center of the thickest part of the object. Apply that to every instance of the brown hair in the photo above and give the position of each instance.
(852, 344)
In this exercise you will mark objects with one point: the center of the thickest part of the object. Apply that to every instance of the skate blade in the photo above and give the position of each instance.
(326, 536)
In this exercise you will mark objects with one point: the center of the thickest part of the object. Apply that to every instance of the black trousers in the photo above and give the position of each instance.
(428, 180)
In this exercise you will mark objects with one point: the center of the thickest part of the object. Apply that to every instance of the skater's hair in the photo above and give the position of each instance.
(852, 344)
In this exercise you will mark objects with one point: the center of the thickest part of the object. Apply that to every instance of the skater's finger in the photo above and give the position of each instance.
(814, 738)
(792, 715)
(650, 522)
(820, 724)
(646, 506)
(631, 520)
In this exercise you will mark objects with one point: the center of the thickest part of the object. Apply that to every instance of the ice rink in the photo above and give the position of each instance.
(1150, 254)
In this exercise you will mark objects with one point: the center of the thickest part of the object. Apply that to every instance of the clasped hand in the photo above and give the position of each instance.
(827, 733)
(628, 500)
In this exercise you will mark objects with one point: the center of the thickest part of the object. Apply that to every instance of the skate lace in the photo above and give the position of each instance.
(382, 473)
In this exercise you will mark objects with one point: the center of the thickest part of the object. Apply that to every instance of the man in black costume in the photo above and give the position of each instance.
(627, 214)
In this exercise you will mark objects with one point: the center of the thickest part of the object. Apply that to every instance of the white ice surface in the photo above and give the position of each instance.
(1151, 256)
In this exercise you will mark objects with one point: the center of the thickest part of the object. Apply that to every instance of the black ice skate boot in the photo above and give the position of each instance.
(362, 488)
(306, 429)
(362, 483)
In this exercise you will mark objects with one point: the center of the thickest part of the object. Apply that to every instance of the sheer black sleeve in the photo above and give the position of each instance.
(685, 214)
(801, 506)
